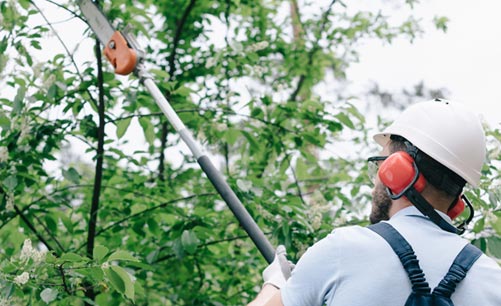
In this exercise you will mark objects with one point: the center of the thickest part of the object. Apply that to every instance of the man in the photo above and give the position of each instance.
(437, 146)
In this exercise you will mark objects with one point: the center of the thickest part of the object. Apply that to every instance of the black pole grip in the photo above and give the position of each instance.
(237, 208)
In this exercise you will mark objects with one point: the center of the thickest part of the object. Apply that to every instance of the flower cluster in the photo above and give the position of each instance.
(28, 252)
(4, 154)
(22, 278)
(258, 46)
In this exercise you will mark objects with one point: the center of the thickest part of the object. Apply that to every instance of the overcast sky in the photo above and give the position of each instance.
(466, 60)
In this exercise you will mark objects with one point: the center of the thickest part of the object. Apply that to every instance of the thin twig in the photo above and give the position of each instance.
(146, 211)
(300, 192)
(197, 110)
(63, 276)
(172, 69)
(169, 256)
(48, 231)
(32, 228)
(312, 52)
(65, 47)
(67, 9)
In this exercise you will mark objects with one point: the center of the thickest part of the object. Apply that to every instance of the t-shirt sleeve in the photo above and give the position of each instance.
(314, 275)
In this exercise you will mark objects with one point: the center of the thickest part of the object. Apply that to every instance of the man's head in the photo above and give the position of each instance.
(450, 151)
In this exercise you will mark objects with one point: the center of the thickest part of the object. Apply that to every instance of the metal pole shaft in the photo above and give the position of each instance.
(216, 178)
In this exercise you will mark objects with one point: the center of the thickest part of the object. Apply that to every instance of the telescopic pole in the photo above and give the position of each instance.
(216, 178)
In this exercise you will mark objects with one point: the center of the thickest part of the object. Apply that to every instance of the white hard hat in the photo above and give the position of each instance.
(446, 131)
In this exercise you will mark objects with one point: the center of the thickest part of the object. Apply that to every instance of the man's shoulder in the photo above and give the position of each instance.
(353, 236)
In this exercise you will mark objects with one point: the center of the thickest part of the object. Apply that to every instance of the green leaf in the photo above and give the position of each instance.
(122, 255)
(160, 73)
(190, 241)
(67, 223)
(48, 295)
(72, 257)
(116, 281)
(95, 273)
(153, 226)
(178, 249)
(122, 126)
(301, 169)
(100, 252)
(479, 225)
(182, 91)
(51, 223)
(19, 100)
(10, 182)
(4, 122)
(494, 246)
(149, 131)
(72, 175)
(231, 135)
(121, 281)
(345, 120)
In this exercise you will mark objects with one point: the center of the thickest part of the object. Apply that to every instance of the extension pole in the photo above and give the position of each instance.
(125, 54)
(216, 178)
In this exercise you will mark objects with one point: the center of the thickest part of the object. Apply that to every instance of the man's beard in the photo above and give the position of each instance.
(381, 204)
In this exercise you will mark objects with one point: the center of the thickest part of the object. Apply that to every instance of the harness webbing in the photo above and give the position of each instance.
(457, 272)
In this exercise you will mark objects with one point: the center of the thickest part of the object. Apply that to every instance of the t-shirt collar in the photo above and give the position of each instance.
(413, 211)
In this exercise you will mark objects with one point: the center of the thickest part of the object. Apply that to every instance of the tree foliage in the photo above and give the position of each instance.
(111, 225)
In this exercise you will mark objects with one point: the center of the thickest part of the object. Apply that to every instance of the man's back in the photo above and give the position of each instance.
(355, 266)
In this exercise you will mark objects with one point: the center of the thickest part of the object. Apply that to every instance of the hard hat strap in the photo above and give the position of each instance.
(426, 209)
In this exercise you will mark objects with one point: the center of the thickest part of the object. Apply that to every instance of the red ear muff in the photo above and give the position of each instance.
(398, 171)
(456, 209)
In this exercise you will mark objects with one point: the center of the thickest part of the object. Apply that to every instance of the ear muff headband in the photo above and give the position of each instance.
(399, 172)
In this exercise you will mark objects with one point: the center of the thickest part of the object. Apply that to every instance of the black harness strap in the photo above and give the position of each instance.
(420, 288)
(406, 254)
(457, 272)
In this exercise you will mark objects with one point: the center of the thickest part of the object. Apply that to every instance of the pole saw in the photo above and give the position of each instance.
(126, 56)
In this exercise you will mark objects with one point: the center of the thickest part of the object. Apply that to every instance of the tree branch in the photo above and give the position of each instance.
(47, 230)
(300, 192)
(91, 234)
(169, 256)
(66, 9)
(146, 211)
(197, 110)
(5, 222)
(32, 228)
(163, 146)
(297, 26)
(312, 52)
(63, 276)
(172, 70)
(64, 46)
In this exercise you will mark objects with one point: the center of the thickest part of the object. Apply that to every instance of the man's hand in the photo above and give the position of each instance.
(277, 273)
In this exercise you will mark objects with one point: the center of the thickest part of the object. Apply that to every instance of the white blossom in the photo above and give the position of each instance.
(22, 279)
(259, 46)
(4, 154)
(105, 265)
(27, 250)
(260, 69)
(4, 301)
(25, 130)
(9, 206)
(38, 256)
(210, 63)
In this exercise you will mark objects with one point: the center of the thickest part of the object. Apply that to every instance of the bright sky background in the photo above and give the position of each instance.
(466, 60)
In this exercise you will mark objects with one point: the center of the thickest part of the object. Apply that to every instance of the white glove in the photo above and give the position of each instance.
(277, 273)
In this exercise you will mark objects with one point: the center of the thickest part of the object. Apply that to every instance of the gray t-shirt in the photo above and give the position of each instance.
(353, 266)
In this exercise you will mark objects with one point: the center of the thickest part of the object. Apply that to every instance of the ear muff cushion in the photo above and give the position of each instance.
(457, 209)
(397, 172)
